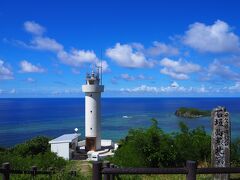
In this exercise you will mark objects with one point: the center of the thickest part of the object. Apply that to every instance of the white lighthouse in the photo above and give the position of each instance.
(92, 90)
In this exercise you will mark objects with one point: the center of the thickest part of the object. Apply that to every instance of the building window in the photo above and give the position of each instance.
(91, 81)
(90, 95)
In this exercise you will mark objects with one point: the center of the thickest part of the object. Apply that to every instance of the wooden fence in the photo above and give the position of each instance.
(6, 171)
(110, 172)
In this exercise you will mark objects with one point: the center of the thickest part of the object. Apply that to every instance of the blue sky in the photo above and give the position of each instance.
(148, 48)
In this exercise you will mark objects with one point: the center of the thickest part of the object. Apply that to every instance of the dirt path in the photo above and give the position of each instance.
(85, 167)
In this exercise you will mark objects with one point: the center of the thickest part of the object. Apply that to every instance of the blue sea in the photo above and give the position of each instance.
(23, 119)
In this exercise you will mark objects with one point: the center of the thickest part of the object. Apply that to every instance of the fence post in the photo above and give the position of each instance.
(106, 165)
(192, 170)
(97, 170)
(6, 174)
(51, 171)
(112, 176)
(34, 171)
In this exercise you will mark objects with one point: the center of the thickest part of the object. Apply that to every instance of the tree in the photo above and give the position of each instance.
(152, 147)
(32, 147)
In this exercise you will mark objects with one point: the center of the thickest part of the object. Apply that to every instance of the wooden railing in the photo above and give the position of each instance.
(110, 172)
(6, 171)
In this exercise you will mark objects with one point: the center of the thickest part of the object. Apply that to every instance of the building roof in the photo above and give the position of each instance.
(106, 142)
(66, 138)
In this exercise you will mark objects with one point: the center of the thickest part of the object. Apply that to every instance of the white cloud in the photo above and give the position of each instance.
(83, 56)
(172, 88)
(233, 60)
(104, 65)
(235, 87)
(30, 80)
(218, 70)
(178, 69)
(75, 57)
(214, 38)
(12, 91)
(174, 84)
(5, 72)
(142, 77)
(159, 48)
(180, 66)
(134, 55)
(27, 67)
(137, 46)
(68, 91)
(142, 88)
(126, 56)
(202, 89)
(34, 28)
(174, 75)
(45, 43)
(154, 89)
(127, 77)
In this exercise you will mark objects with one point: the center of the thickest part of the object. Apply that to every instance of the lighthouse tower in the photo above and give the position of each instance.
(92, 90)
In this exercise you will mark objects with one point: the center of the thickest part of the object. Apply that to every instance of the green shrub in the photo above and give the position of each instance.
(2, 149)
(154, 148)
(33, 152)
(235, 153)
(32, 147)
(191, 145)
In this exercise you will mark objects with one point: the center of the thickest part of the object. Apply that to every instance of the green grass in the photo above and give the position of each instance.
(63, 174)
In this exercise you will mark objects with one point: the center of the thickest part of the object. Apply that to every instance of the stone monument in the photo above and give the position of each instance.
(221, 140)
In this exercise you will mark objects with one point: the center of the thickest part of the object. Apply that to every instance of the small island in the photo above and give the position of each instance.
(191, 112)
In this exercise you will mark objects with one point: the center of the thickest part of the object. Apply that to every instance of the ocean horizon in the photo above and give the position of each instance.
(24, 118)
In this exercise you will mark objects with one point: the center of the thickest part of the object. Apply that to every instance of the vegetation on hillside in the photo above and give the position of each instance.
(152, 147)
(36, 152)
(191, 112)
(33, 152)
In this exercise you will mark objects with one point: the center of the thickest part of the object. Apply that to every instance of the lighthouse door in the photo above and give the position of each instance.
(91, 143)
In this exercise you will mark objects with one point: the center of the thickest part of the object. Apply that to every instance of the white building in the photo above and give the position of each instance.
(92, 90)
(65, 145)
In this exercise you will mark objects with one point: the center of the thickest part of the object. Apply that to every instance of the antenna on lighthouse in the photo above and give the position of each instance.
(91, 69)
(101, 66)
(99, 69)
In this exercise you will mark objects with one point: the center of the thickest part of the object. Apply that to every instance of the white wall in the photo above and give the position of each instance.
(62, 150)
(93, 117)
(93, 112)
